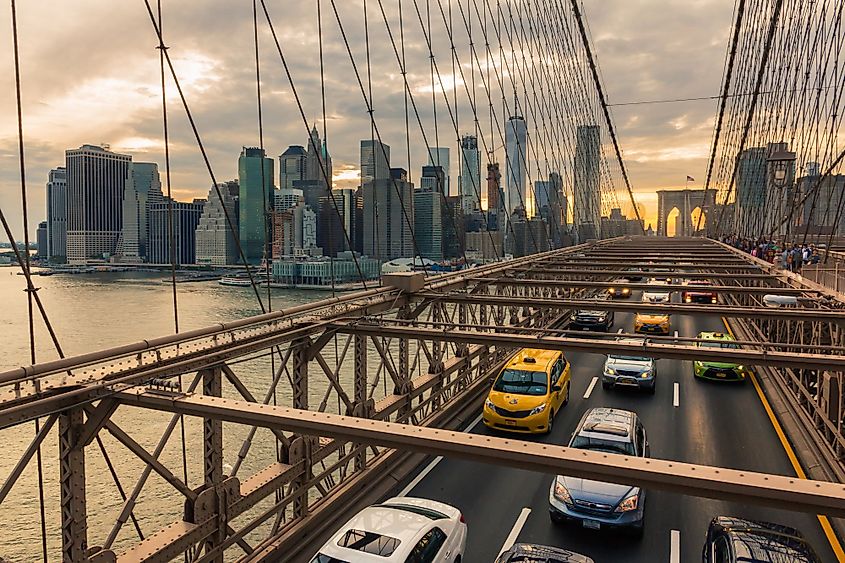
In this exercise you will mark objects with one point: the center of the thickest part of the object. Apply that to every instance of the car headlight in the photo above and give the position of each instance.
(561, 492)
(688, 299)
(537, 410)
(628, 504)
(612, 290)
(489, 404)
(646, 374)
(712, 299)
(610, 371)
(740, 368)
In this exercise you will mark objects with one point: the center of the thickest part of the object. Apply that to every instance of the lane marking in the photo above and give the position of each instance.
(620, 331)
(428, 468)
(676, 335)
(793, 459)
(517, 527)
(675, 546)
(676, 395)
(590, 388)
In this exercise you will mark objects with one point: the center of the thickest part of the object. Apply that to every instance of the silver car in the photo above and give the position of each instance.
(594, 504)
(629, 371)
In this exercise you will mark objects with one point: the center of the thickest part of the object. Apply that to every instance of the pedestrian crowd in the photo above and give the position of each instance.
(789, 256)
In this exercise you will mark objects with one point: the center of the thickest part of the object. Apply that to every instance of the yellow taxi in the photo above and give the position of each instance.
(651, 323)
(531, 388)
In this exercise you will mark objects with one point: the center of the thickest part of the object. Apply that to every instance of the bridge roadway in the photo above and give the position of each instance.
(720, 425)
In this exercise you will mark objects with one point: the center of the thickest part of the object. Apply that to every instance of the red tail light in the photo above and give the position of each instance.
(462, 519)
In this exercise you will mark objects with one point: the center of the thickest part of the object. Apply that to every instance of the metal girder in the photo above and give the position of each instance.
(72, 487)
(776, 491)
(651, 273)
(636, 306)
(539, 340)
(507, 281)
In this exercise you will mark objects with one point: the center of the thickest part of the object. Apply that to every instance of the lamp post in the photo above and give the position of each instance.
(781, 165)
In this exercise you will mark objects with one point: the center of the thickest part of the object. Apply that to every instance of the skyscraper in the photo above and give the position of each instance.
(434, 179)
(96, 180)
(41, 239)
(389, 216)
(470, 180)
(439, 156)
(334, 222)
(286, 198)
(375, 161)
(143, 188)
(215, 241)
(428, 222)
(516, 152)
(495, 203)
(255, 175)
(57, 216)
(292, 165)
(750, 185)
(317, 155)
(186, 217)
(587, 206)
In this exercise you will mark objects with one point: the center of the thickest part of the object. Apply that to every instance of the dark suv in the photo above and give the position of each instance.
(593, 320)
(733, 540)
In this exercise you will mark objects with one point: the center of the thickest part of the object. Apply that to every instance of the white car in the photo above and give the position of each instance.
(401, 529)
(656, 297)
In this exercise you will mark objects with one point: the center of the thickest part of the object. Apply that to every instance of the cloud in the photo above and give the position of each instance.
(90, 74)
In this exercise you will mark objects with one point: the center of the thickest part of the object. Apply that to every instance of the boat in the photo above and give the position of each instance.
(235, 280)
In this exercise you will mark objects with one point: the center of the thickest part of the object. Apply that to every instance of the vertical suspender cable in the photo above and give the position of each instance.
(30, 290)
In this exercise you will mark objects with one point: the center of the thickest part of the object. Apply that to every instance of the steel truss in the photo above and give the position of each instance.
(368, 381)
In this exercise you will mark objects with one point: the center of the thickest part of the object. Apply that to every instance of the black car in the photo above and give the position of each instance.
(599, 321)
(732, 540)
(533, 553)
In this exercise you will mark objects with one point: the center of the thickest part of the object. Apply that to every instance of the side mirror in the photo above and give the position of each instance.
(556, 388)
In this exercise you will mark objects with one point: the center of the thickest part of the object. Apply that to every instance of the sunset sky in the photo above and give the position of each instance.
(90, 75)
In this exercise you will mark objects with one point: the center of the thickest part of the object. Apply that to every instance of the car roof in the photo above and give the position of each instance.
(542, 359)
(393, 522)
(714, 336)
(543, 553)
(754, 540)
(608, 423)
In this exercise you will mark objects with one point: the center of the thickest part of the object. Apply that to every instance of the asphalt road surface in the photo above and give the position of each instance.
(710, 423)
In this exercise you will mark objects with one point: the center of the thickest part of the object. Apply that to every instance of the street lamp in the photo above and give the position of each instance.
(781, 171)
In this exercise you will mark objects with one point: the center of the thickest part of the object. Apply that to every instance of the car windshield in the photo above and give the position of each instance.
(629, 358)
(369, 542)
(600, 444)
(718, 344)
(320, 558)
(522, 382)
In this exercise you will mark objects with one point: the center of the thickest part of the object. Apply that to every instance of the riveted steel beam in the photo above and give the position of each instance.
(776, 491)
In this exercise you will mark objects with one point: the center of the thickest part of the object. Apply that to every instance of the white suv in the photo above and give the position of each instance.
(399, 530)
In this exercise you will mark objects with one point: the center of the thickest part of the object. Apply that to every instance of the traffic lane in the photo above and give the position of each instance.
(498, 494)
(663, 513)
(682, 433)
(727, 426)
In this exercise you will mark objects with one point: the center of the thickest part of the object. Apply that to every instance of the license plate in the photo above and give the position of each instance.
(592, 524)
(586, 329)
(628, 381)
(510, 422)
(721, 374)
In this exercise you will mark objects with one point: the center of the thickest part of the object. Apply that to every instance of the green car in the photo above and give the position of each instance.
(718, 371)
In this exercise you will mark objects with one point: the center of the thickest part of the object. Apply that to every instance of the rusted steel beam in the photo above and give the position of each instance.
(538, 340)
(776, 491)
(665, 287)
(637, 306)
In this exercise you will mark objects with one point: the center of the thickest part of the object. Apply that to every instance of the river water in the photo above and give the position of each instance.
(95, 311)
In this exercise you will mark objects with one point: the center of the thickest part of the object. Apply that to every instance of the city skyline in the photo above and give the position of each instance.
(662, 143)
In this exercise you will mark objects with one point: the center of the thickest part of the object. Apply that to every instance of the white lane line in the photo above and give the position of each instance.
(428, 468)
(590, 388)
(676, 335)
(675, 547)
(620, 331)
(517, 527)
(676, 398)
